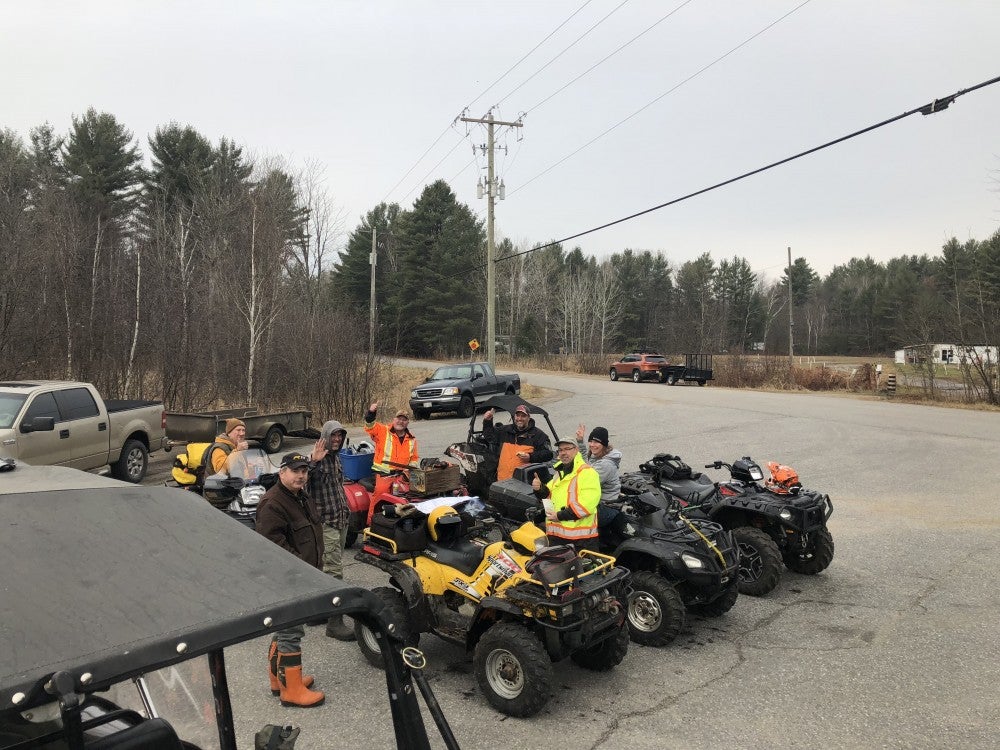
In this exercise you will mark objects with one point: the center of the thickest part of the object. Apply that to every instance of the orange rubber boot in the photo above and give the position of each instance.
(272, 670)
(293, 692)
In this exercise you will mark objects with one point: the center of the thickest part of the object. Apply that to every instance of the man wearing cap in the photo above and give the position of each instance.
(288, 517)
(326, 486)
(519, 442)
(605, 459)
(393, 442)
(233, 439)
(575, 492)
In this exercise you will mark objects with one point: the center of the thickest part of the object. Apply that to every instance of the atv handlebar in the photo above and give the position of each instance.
(719, 465)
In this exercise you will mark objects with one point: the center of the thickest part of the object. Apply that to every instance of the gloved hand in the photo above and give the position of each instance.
(273, 737)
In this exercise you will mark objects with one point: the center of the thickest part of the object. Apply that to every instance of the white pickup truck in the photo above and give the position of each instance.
(58, 422)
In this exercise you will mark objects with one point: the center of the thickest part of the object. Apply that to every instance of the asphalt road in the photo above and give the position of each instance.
(896, 645)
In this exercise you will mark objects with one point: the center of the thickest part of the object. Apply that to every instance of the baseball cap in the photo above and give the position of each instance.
(521, 409)
(402, 413)
(294, 461)
(565, 441)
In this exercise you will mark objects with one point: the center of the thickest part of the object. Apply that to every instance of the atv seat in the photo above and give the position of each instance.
(691, 491)
(461, 555)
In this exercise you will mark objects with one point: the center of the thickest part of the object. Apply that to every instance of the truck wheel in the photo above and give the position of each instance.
(671, 379)
(421, 413)
(606, 655)
(466, 407)
(816, 558)
(395, 606)
(613, 374)
(720, 605)
(273, 440)
(510, 390)
(701, 382)
(513, 670)
(636, 376)
(760, 561)
(656, 611)
(131, 465)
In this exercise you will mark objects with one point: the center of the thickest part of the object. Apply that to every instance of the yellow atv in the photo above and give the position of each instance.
(516, 604)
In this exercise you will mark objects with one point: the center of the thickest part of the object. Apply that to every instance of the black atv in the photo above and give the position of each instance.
(769, 527)
(678, 565)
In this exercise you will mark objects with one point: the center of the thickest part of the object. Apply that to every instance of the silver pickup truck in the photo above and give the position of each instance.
(58, 422)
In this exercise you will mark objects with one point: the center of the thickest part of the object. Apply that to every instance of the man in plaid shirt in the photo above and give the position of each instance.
(326, 487)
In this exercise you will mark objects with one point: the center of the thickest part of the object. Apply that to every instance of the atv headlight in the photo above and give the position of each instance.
(449, 391)
(785, 515)
(691, 561)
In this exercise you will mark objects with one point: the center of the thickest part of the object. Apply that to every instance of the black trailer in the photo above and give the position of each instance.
(696, 368)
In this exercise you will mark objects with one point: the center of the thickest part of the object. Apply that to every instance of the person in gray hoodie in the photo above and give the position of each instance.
(604, 457)
(326, 487)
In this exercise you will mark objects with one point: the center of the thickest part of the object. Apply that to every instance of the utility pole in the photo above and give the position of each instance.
(371, 301)
(492, 190)
(791, 322)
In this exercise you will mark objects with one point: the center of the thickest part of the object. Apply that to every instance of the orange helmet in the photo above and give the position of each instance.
(784, 480)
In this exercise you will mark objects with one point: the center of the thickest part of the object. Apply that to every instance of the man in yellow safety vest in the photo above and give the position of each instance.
(575, 492)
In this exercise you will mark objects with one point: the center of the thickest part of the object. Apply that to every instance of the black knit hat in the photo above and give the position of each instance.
(600, 434)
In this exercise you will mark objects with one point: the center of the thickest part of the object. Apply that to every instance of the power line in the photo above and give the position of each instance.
(607, 57)
(927, 109)
(654, 101)
(528, 54)
(431, 170)
(480, 96)
(571, 45)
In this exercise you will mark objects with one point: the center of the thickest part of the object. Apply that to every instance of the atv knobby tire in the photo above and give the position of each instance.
(816, 558)
(655, 611)
(395, 606)
(760, 561)
(606, 655)
(513, 670)
(721, 604)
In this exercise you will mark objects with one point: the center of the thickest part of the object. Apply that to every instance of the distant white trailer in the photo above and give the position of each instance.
(948, 354)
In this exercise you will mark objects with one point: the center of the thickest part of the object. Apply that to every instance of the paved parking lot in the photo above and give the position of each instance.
(896, 645)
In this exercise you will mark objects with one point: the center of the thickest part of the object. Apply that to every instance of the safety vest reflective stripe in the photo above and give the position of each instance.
(573, 501)
(387, 452)
(555, 528)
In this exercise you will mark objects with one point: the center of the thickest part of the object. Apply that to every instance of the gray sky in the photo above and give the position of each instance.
(364, 88)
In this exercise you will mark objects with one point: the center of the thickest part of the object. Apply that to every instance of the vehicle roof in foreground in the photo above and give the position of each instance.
(108, 580)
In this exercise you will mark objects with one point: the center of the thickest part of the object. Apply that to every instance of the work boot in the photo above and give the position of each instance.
(293, 691)
(337, 628)
(272, 670)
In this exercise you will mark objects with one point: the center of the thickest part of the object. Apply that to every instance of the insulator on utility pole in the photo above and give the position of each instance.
(503, 190)
(479, 188)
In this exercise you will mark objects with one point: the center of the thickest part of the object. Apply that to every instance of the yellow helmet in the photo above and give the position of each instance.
(443, 524)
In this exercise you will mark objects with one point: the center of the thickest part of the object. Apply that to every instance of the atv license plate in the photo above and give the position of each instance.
(427, 404)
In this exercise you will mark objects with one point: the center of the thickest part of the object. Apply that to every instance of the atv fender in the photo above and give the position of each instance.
(407, 580)
(490, 610)
(645, 554)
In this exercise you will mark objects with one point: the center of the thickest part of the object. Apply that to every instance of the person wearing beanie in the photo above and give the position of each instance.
(233, 439)
(326, 486)
(604, 457)
(518, 443)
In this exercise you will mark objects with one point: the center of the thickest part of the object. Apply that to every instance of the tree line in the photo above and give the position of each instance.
(196, 273)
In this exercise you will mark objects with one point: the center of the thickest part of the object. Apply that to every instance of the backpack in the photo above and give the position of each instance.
(189, 467)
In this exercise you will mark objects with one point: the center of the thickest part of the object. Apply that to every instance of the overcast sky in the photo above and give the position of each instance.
(364, 88)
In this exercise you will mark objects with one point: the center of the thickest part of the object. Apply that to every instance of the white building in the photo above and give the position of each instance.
(948, 354)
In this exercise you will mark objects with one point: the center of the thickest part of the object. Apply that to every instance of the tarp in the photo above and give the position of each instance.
(113, 579)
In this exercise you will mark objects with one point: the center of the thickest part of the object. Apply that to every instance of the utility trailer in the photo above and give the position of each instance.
(267, 429)
(696, 368)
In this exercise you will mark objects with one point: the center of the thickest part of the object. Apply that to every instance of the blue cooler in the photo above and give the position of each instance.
(356, 465)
